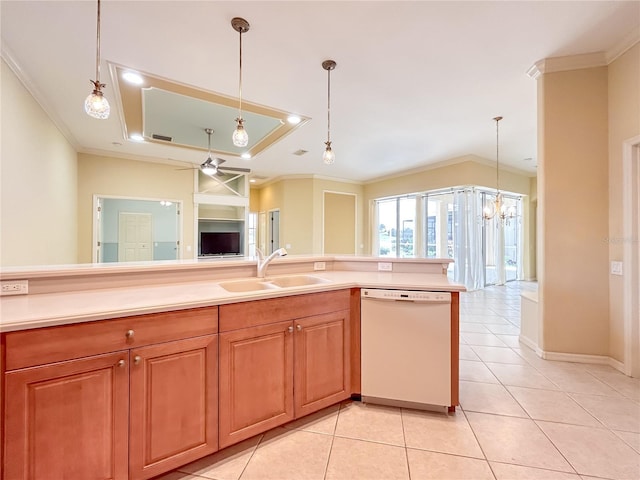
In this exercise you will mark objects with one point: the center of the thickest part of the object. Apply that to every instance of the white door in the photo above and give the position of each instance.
(134, 237)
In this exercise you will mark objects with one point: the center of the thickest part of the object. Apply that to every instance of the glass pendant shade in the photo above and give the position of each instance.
(97, 106)
(328, 157)
(240, 136)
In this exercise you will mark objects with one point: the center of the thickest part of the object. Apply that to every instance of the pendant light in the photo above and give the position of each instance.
(96, 105)
(328, 157)
(498, 207)
(240, 136)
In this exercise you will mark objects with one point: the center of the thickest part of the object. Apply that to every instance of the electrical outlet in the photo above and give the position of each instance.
(385, 266)
(14, 287)
(319, 266)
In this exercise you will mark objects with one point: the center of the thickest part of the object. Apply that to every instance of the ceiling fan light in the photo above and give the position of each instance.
(97, 106)
(240, 136)
(246, 155)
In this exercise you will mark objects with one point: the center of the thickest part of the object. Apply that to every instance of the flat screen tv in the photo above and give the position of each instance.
(220, 243)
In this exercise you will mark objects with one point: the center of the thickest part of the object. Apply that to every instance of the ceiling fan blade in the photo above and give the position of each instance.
(235, 169)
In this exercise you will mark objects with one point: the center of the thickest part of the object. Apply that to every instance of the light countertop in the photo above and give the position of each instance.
(22, 312)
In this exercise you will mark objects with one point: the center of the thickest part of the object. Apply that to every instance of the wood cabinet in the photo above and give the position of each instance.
(68, 420)
(322, 363)
(173, 405)
(290, 357)
(133, 413)
(256, 380)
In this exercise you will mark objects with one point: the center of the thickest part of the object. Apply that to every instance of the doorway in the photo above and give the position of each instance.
(121, 223)
(339, 223)
(273, 230)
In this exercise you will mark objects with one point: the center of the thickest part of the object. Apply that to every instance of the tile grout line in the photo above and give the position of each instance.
(404, 440)
(333, 437)
(244, 469)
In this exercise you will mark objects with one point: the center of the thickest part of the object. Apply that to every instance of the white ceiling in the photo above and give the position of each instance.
(416, 83)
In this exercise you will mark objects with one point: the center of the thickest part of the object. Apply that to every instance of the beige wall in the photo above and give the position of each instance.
(38, 171)
(134, 179)
(300, 201)
(624, 124)
(572, 201)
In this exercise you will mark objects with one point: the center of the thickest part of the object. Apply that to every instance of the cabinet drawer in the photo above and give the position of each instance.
(262, 312)
(53, 344)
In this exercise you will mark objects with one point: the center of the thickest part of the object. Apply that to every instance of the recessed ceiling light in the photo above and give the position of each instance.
(133, 78)
(246, 155)
(294, 119)
(252, 180)
(136, 137)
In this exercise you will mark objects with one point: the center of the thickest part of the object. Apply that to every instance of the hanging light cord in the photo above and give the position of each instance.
(240, 81)
(497, 119)
(329, 105)
(98, 49)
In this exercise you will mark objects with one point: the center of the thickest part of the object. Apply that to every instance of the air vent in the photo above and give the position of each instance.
(164, 138)
(300, 152)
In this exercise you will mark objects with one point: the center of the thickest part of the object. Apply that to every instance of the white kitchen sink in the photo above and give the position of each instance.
(257, 284)
(297, 281)
(250, 285)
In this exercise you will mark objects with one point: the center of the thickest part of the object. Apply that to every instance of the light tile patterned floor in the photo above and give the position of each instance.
(521, 417)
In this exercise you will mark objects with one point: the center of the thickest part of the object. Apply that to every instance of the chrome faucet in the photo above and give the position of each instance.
(264, 262)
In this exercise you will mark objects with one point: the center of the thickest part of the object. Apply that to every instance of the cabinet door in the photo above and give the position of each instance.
(256, 380)
(322, 361)
(68, 420)
(173, 405)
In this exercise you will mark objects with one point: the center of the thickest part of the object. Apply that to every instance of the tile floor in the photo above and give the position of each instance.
(521, 417)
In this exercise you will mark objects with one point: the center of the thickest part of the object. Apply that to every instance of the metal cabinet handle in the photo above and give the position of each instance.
(299, 327)
(121, 363)
(137, 359)
(129, 334)
(290, 329)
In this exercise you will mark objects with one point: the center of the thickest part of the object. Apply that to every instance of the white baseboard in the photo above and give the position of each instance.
(576, 358)
(617, 365)
(573, 357)
(531, 344)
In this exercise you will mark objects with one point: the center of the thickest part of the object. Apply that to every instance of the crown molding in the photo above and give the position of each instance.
(623, 45)
(33, 90)
(586, 60)
(566, 63)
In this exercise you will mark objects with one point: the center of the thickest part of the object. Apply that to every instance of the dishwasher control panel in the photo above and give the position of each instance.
(407, 295)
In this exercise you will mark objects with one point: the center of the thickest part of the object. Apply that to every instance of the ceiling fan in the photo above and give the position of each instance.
(213, 165)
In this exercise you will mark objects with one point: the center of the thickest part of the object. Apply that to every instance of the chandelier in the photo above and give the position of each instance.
(498, 208)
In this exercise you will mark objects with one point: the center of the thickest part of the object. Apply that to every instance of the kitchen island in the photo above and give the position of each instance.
(139, 369)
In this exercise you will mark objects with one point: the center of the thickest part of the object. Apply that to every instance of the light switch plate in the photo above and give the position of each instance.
(616, 268)
(319, 266)
(385, 266)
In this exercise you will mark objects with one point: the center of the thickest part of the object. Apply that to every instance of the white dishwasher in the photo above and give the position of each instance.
(406, 347)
